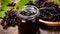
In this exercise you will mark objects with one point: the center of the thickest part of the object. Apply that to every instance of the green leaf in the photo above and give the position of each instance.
(21, 3)
(2, 14)
(57, 2)
(4, 7)
(4, 4)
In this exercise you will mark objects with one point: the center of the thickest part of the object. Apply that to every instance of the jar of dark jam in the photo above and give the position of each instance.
(27, 20)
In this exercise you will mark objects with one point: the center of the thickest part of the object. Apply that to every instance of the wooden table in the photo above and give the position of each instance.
(10, 30)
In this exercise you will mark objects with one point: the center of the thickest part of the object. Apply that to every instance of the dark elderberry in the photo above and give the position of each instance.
(50, 15)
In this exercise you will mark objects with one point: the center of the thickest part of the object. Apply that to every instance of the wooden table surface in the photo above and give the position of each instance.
(14, 30)
(10, 30)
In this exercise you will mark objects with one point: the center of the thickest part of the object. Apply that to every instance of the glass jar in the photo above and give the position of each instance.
(27, 20)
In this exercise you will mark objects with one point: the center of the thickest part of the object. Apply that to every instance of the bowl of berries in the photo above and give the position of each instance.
(50, 16)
